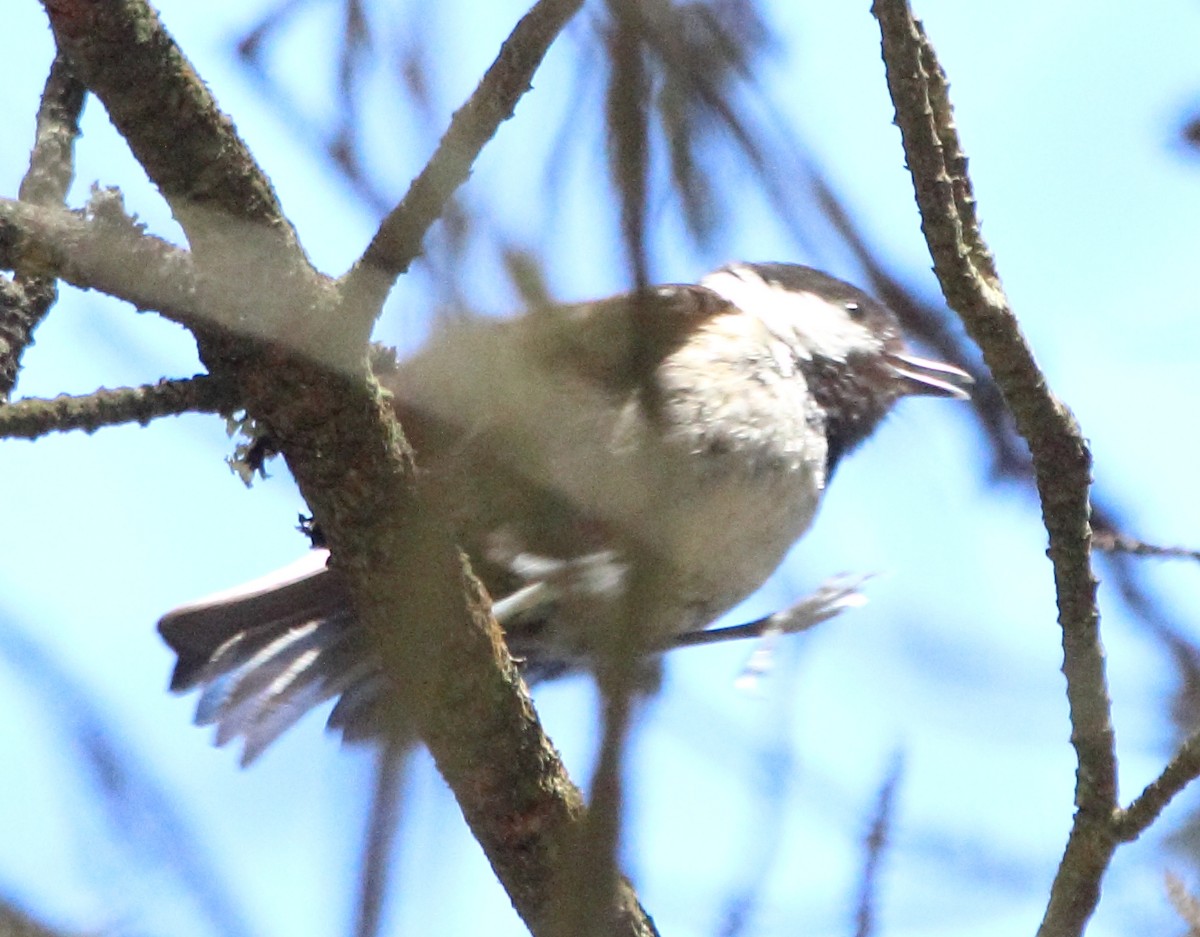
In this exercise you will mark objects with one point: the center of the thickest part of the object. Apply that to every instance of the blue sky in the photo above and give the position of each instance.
(1089, 204)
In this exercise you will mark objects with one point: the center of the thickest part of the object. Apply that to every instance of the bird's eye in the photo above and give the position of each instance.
(855, 310)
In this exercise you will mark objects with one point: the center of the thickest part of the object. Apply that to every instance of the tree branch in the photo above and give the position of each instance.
(224, 202)
(1184, 903)
(51, 167)
(877, 842)
(101, 249)
(34, 417)
(1112, 541)
(1062, 462)
(168, 117)
(16, 922)
(305, 378)
(398, 241)
(1180, 771)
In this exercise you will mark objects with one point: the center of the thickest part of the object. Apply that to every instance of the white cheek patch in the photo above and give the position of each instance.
(805, 322)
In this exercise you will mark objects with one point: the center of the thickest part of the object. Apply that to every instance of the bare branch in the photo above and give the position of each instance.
(398, 240)
(1062, 462)
(877, 843)
(225, 203)
(16, 922)
(592, 881)
(51, 167)
(103, 250)
(51, 163)
(305, 379)
(201, 166)
(34, 417)
(383, 822)
(1110, 541)
(1185, 904)
(627, 107)
(1180, 771)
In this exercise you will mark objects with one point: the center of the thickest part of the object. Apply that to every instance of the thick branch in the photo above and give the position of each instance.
(34, 417)
(1062, 463)
(307, 382)
(398, 241)
(51, 167)
(450, 671)
(168, 117)
(190, 150)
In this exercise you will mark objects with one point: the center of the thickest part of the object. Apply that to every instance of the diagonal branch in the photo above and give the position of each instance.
(169, 119)
(221, 198)
(1062, 462)
(34, 417)
(51, 166)
(15, 921)
(412, 590)
(398, 240)
(1180, 771)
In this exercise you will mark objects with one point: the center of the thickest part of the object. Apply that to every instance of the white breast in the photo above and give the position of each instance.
(717, 479)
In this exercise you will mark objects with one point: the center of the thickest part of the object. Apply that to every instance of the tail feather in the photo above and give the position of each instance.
(355, 711)
(261, 720)
(266, 652)
(265, 674)
(241, 620)
(270, 650)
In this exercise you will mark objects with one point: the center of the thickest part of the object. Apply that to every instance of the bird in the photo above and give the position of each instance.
(675, 439)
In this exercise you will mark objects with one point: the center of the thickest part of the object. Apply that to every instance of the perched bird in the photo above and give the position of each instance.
(678, 437)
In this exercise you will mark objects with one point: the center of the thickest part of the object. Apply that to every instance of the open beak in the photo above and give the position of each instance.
(929, 378)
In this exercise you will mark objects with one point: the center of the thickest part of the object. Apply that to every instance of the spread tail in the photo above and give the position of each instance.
(268, 651)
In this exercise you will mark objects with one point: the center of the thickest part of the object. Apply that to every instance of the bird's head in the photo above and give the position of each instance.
(847, 345)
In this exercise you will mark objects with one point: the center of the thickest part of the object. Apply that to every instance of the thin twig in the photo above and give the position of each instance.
(877, 843)
(51, 162)
(1181, 770)
(15, 921)
(34, 417)
(398, 240)
(1184, 902)
(627, 116)
(51, 167)
(592, 881)
(383, 826)
(1062, 462)
(1110, 541)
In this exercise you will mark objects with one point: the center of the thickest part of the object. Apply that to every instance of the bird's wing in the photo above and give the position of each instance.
(618, 342)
